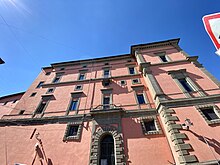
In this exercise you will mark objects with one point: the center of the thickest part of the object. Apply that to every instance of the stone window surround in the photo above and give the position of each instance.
(106, 92)
(74, 95)
(58, 75)
(180, 74)
(79, 132)
(49, 89)
(157, 125)
(216, 110)
(139, 82)
(80, 73)
(140, 90)
(125, 82)
(81, 87)
(163, 53)
(132, 66)
(45, 98)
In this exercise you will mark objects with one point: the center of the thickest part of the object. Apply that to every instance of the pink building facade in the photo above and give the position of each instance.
(156, 105)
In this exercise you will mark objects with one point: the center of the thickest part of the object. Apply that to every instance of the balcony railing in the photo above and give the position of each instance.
(106, 107)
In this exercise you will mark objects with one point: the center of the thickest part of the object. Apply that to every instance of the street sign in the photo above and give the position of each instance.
(212, 26)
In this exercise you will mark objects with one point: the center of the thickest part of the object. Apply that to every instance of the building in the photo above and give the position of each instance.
(154, 106)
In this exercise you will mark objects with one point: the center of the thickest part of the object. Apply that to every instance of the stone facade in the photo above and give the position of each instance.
(156, 105)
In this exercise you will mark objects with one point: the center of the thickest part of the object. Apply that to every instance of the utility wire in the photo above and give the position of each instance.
(12, 32)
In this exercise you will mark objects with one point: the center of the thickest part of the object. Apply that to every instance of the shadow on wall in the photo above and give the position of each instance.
(134, 131)
(211, 142)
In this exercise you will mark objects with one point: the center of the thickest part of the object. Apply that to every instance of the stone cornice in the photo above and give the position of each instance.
(71, 118)
(172, 42)
(190, 101)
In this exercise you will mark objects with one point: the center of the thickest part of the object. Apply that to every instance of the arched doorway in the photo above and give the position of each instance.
(107, 154)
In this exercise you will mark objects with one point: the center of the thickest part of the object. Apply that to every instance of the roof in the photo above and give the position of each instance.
(11, 95)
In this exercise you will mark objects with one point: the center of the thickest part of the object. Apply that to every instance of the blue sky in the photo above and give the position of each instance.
(36, 33)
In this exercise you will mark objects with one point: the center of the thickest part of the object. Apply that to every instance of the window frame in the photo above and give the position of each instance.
(33, 94)
(59, 78)
(109, 73)
(53, 89)
(216, 111)
(42, 112)
(81, 87)
(40, 84)
(156, 123)
(79, 131)
(135, 72)
(138, 79)
(80, 75)
(107, 93)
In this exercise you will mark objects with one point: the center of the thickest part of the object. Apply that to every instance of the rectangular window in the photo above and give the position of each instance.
(40, 84)
(140, 98)
(106, 102)
(41, 107)
(135, 81)
(81, 76)
(78, 87)
(209, 113)
(14, 101)
(185, 85)
(21, 112)
(33, 94)
(56, 79)
(123, 82)
(50, 90)
(150, 125)
(73, 130)
(163, 58)
(131, 70)
(74, 105)
(106, 73)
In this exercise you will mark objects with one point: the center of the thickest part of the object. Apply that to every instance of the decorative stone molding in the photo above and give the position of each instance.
(177, 138)
(156, 122)
(118, 142)
(79, 132)
(216, 110)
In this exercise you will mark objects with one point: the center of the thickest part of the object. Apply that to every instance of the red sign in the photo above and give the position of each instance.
(212, 26)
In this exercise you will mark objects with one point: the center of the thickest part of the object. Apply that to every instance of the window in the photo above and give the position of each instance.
(21, 112)
(150, 125)
(81, 76)
(106, 63)
(84, 66)
(123, 82)
(47, 73)
(40, 84)
(50, 90)
(135, 81)
(185, 85)
(41, 107)
(140, 99)
(129, 60)
(106, 83)
(209, 113)
(56, 79)
(106, 73)
(106, 102)
(62, 68)
(131, 70)
(163, 58)
(73, 129)
(78, 87)
(33, 94)
(74, 104)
